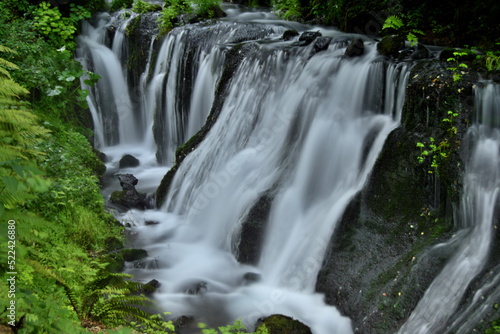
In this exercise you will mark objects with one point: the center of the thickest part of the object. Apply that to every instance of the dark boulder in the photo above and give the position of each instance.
(128, 161)
(322, 43)
(289, 34)
(129, 197)
(421, 52)
(356, 48)
(390, 45)
(281, 324)
(308, 37)
(115, 262)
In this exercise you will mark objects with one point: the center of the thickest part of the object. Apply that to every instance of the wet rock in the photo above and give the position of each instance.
(290, 34)
(133, 254)
(322, 43)
(308, 37)
(421, 52)
(356, 48)
(186, 325)
(390, 45)
(252, 277)
(281, 324)
(113, 243)
(128, 161)
(129, 197)
(252, 231)
(151, 222)
(197, 288)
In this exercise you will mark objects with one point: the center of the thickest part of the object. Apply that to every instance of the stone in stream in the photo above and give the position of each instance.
(129, 197)
(128, 160)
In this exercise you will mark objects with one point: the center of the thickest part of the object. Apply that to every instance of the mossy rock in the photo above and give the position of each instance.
(115, 262)
(113, 244)
(281, 324)
(117, 196)
(128, 161)
(133, 254)
(390, 45)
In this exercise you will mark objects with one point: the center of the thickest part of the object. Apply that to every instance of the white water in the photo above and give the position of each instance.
(309, 130)
(304, 126)
(475, 220)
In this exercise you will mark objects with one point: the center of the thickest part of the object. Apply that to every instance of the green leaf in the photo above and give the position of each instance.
(10, 183)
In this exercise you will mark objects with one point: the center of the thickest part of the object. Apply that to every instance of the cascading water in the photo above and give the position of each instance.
(475, 217)
(304, 126)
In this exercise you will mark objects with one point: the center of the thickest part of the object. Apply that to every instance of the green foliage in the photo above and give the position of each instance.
(443, 149)
(144, 7)
(457, 75)
(206, 8)
(119, 4)
(396, 24)
(237, 328)
(492, 61)
(288, 9)
(58, 29)
(10, 91)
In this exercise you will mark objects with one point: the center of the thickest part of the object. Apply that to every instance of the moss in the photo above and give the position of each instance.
(117, 196)
(390, 45)
(162, 191)
(277, 324)
(133, 254)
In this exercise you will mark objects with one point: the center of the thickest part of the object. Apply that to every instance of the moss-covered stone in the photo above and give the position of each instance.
(133, 254)
(281, 324)
(390, 45)
(113, 244)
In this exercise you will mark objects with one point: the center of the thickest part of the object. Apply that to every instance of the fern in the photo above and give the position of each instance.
(393, 22)
(10, 91)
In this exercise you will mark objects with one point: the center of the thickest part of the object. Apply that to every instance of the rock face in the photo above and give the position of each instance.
(129, 197)
(356, 48)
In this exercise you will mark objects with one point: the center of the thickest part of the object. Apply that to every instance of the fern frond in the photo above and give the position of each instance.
(394, 22)
(59, 281)
(8, 64)
(5, 49)
(9, 89)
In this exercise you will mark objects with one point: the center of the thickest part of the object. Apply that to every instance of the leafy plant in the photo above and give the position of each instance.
(206, 8)
(10, 91)
(395, 23)
(118, 4)
(492, 61)
(50, 22)
(442, 150)
(288, 9)
(457, 73)
(144, 7)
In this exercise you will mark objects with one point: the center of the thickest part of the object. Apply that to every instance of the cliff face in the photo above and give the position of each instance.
(381, 258)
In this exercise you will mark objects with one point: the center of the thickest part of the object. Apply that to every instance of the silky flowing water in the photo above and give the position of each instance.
(306, 129)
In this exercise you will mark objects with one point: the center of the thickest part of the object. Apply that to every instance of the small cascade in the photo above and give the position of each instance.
(110, 101)
(475, 223)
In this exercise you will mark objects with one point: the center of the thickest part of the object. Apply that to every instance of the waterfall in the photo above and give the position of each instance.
(110, 102)
(308, 129)
(475, 221)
